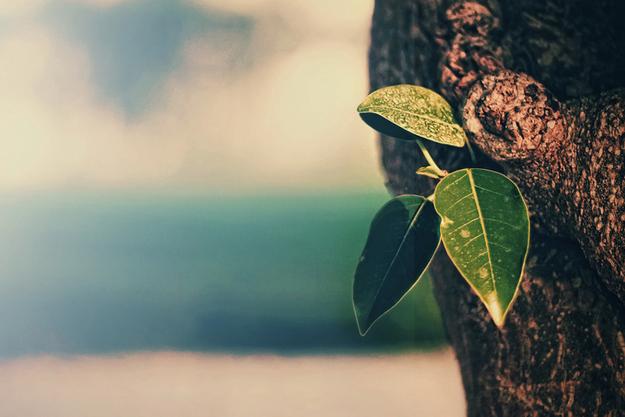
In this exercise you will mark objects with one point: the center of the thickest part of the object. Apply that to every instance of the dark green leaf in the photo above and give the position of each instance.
(402, 239)
(485, 230)
(410, 112)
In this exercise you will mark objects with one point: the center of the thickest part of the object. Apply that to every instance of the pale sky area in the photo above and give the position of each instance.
(233, 95)
(110, 279)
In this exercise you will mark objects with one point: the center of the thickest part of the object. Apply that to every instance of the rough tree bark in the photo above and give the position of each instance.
(538, 84)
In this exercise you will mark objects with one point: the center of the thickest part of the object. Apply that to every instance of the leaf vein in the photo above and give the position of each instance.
(456, 202)
(490, 191)
(507, 249)
(430, 118)
(466, 224)
(490, 219)
(471, 240)
(406, 234)
(452, 183)
(481, 217)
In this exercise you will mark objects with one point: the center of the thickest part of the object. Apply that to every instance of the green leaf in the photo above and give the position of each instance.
(402, 240)
(485, 230)
(409, 112)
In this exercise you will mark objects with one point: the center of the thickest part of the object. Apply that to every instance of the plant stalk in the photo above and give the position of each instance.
(430, 160)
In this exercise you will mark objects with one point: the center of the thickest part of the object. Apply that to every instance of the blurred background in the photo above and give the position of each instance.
(185, 189)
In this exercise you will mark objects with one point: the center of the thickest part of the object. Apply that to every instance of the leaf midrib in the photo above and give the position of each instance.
(481, 217)
(403, 240)
(432, 119)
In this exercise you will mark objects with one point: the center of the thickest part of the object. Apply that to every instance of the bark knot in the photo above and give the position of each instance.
(511, 115)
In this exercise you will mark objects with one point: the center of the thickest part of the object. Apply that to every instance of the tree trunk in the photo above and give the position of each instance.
(538, 85)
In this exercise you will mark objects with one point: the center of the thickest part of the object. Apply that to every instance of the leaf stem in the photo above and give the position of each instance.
(430, 160)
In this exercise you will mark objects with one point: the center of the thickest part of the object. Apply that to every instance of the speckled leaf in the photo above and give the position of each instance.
(485, 230)
(409, 112)
(402, 239)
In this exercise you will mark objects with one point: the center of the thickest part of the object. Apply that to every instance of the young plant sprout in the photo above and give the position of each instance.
(479, 214)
